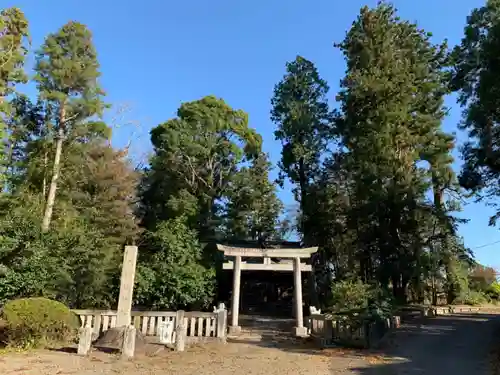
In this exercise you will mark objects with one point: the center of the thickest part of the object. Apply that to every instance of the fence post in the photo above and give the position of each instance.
(180, 331)
(222, 322)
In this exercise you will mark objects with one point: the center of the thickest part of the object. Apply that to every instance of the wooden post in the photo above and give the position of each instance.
(299, 329)
(222, 322)
(84, 340)
(235, 303)
(180, 331)
(123, 318)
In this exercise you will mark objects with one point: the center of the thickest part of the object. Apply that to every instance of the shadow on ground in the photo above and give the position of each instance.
(443, 345)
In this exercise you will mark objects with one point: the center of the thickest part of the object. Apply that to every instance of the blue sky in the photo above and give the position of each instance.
(156, 54)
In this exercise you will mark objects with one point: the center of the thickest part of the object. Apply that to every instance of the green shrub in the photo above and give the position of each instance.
(36, 322)
(493, 291)
(471, 297)
(349, 295)
(356, 303)
(170, 272)
(380, 305)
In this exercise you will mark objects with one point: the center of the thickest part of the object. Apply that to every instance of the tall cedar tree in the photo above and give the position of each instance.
(13, 33)
(102, 184)
(253, 208)
(476, 78)
(67, 71)
(195, 157)
(300, 111)
(392, 104)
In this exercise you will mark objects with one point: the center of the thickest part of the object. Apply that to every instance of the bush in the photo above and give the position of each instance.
(349, 295)
(357, 303)
(36, 322)
(471, 297)
(493, 291)
(381, 305)
(170, 272)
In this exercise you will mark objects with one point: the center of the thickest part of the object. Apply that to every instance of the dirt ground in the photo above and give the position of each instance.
(455, 345)
(229, 359)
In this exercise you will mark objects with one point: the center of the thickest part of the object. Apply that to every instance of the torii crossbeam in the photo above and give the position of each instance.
(296, 266)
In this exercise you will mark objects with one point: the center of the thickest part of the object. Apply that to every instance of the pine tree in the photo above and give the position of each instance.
(475, 77)
(67, 73)
(101, 184)
(13, 33)
(392, 107)
(300, 111)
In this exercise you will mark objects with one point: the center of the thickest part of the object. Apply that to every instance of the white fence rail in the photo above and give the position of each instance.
(199, 326)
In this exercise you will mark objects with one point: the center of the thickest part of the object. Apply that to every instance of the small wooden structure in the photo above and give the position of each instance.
(273, 260)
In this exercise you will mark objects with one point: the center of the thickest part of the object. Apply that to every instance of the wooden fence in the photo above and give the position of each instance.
(333, 330)
(199, 326)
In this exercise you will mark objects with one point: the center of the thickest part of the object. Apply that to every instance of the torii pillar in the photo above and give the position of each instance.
(297, 267)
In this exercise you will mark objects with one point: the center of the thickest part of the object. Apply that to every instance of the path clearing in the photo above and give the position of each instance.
(456, 345)
(452, 345)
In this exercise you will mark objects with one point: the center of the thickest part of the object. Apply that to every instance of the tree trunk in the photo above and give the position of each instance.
(434, 295)
(313, 295)
(399, 285)
(303, 202)
(51, 198)
(437, 191)
(44, 182)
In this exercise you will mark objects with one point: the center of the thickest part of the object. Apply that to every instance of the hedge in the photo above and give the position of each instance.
(38, 322)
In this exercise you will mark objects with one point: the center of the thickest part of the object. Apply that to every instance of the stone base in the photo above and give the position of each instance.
(84, 340)
(113, 338)
(128, 347)
(234, 330)
(300, 331)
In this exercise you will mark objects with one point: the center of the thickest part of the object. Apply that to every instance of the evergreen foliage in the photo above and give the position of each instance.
(373, 179)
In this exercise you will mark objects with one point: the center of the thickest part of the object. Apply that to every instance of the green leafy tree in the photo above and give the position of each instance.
(195, 157)
(67, 72)
(482, 277)
(75, 263)
(300, 111)
(170, 273)
(253, 208)
(25, 143)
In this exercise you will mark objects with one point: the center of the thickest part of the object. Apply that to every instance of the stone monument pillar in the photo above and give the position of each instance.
(123, 318)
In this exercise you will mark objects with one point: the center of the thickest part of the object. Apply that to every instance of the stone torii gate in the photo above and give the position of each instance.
(297, 267)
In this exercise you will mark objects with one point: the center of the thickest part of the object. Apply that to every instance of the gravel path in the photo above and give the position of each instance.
(454, 345)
